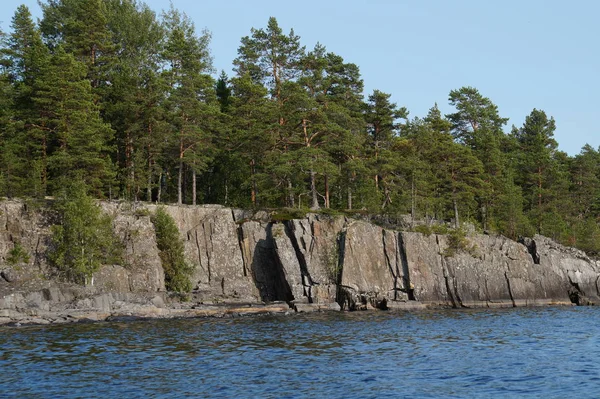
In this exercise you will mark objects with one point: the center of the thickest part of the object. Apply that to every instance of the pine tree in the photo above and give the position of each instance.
(478, 125)
(223, 91)
(585, 183)
(9, 148)
(382, 117)
(425, 136)
(177, 270)
(81, 28)
(25, 147)
(83, 240)
(78, 139)
(133, 101)
(537, 164)
(452, 177)
(249, 140)
(272, 58)
(193, 109)
(326, 117)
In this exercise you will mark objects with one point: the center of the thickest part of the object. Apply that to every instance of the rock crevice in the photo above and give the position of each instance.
(314, 263)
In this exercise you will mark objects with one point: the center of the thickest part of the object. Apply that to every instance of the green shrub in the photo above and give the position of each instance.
(141, 212)
(458, 242)
(586, 236)
(330, 212)
(332, 258)
(431, 229)
(17, 255)
(170, 245)
(33, 205)
(83, 239)
(286, 214)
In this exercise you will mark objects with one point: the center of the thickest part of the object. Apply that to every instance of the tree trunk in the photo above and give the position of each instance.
(179, 183)
(128, 165)
(44, 171)
(386, 197)
(412, 200)
(149, 149)
(539, 200)
(159, 191)
(484, 216)
(376, 155)
(313, 191)
(456, 221)
(149, 187)
(327, 202)
(352, 176)
(349, 198)
(291, 199)
(132, 172)
(194, 187)
(253, 192)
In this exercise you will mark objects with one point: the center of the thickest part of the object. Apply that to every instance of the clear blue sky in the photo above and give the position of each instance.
(522, 54)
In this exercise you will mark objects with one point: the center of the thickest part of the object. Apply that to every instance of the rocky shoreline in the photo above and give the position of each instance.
(247, 263)
(135, 311)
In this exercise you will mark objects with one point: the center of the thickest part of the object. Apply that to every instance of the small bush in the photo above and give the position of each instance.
(32, 205)
(329, 212)
(170, 245)
(458, 242)
(332, 257)
(431, 229)
(83, 239)
(286, 214)
(17, 255)
(141, 212)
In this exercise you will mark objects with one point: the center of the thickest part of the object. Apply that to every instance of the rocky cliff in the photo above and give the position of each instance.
(246, 263)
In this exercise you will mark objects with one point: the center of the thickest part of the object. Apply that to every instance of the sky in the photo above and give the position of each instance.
(522, 54)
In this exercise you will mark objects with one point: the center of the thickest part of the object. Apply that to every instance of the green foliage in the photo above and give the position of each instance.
(112, 92)
(330, 212)
(25, 58)
(428, 230)
(285, 214)
(83, 239)
(170, 245)
(457, 243)
(193, 111)
(587, 236)
(539, 168)
(17, 254)
(141, 212)
(80, 137)
(333, 266)
(223, 91)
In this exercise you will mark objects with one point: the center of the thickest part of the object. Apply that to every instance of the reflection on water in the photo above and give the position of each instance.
(549, 352)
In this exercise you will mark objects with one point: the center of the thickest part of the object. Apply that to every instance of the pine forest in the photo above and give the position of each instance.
(125, 99)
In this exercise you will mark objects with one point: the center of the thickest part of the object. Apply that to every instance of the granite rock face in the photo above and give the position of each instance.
(142, 271)
(315, 242)
(212, 246)
(314, 263)
(568, 268)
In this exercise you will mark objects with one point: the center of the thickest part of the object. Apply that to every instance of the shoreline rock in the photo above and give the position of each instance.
(317, 263)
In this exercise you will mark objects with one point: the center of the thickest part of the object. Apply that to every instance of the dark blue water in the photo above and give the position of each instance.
(549, 352)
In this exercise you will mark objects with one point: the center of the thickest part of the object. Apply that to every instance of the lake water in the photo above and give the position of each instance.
(545, 352)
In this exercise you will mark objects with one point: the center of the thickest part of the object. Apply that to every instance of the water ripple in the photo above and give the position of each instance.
(549, 352)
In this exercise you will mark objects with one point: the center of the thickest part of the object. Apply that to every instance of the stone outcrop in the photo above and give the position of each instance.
(243, 261)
